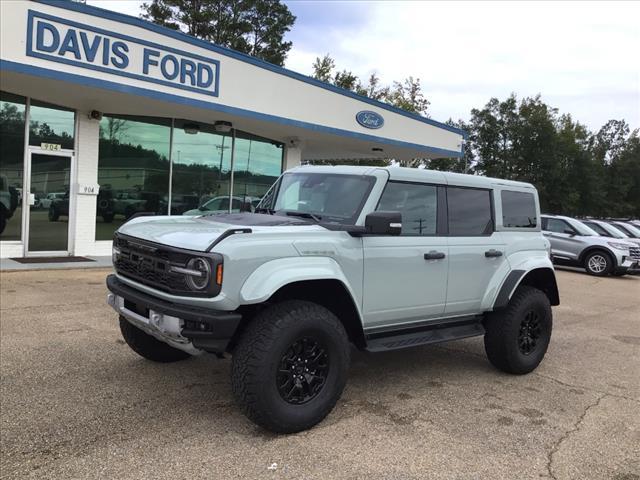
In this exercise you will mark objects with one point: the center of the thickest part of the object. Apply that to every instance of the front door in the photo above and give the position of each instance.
(405, 277)
(48, 203)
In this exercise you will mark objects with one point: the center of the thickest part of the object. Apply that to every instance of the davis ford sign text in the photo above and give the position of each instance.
(370, 119)
(64, 41)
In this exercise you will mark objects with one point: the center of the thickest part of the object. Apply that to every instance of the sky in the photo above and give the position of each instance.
(581, 57)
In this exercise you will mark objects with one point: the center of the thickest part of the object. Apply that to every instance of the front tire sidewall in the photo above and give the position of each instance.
(598, 255)
(257, 357)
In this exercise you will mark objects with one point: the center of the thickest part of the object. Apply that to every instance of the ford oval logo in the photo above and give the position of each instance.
(370, 119)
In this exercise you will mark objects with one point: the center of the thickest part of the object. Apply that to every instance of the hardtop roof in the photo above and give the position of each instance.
(406, 174)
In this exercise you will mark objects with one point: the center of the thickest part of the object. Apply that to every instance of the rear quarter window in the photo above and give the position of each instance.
(518, 209)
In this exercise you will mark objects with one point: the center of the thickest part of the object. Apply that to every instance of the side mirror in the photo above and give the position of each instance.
(568, 231)
(383, 223)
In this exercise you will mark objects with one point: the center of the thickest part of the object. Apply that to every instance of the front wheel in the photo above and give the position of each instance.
(516, 338)
(290, 366)
(149, 347)
(598, 263)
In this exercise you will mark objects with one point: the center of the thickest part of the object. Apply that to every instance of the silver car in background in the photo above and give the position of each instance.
(606, 229)
(573, 243)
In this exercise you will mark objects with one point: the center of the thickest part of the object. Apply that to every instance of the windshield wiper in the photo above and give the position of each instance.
(295, 213)
(270, 211)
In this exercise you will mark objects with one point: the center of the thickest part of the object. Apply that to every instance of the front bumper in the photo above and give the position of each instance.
(185, 327)
(631, 269)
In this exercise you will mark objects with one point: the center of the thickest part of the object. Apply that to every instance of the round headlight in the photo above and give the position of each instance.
(198, 282)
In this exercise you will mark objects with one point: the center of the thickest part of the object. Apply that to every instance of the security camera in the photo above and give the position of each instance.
(293, 142)
(95, 115)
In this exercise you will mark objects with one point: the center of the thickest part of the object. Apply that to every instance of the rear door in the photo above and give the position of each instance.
(476, 250)
(565, 241)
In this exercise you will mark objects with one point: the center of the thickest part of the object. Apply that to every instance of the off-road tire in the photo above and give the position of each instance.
(147, 346)
(54, 215)
(257, 361)
(504, 331)
(598, 254)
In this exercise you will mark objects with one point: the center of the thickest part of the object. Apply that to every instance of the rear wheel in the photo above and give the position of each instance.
(598, 263)
(290, 366)
(149, 347)
(516, 338)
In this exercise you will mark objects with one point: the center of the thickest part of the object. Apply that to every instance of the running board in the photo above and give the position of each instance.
(429, 334)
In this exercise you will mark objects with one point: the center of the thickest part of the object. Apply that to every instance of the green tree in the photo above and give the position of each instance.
(254, 27)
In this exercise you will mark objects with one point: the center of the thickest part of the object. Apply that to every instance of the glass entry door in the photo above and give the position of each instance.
(48, 203)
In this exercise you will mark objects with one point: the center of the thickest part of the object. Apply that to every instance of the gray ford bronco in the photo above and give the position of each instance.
(378, 258)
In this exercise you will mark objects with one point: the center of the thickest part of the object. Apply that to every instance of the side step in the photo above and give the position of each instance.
(443, 332)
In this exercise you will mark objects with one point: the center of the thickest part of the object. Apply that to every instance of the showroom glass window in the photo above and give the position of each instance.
(133, 170)
(518, 209)
(51, 124)
(469, 210)
(257, 165)
(201, 169)
(12, 118)
(417, 203)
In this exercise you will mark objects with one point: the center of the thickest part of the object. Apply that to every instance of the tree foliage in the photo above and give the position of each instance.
(254, 27)
(576, 172)
(406, 95)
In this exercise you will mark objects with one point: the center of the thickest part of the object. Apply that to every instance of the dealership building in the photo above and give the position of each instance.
(103, 115)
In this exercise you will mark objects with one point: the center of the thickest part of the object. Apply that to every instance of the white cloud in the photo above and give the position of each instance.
(583, 57)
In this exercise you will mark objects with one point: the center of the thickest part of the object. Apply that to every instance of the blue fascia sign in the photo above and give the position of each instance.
(72, 43)
(370, 119)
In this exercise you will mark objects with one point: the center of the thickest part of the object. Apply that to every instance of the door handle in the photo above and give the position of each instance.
(492, 253)
(433, 255)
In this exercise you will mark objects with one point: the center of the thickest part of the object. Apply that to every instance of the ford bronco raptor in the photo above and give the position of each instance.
(378, 258)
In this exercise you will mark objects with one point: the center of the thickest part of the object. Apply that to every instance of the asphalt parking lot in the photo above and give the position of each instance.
(76, 402)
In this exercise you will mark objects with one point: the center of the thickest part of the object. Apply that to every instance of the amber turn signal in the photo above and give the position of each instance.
(219, 274)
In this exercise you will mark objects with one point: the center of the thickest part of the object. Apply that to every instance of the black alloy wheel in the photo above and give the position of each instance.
(303, 371)
(530, 331)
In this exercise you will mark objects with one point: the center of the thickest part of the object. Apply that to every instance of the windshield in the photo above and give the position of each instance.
(328, 197)
(629, 230)
(613, 231)
(583, 229)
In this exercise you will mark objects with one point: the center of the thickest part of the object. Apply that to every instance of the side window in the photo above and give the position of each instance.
(418, 205)
(469, 211)
(557, 226)
(518, 209)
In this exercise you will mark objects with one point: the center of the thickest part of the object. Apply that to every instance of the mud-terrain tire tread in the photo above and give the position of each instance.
(149, 347)
(501, 330)
(254, 351)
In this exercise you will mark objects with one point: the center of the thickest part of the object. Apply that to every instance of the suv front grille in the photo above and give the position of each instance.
(150, 264)
(634, 252)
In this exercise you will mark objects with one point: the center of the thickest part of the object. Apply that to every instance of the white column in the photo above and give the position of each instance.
(83, 229)
(292, 157)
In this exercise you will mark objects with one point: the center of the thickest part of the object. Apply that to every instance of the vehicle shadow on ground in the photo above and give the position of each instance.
(202, 385)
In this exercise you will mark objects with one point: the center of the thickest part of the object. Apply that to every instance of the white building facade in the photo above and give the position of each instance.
(103, 115)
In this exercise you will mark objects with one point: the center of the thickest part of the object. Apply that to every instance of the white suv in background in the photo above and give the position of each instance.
(573, 243)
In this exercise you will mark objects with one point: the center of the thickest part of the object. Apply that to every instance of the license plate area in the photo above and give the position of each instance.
(136, 308)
